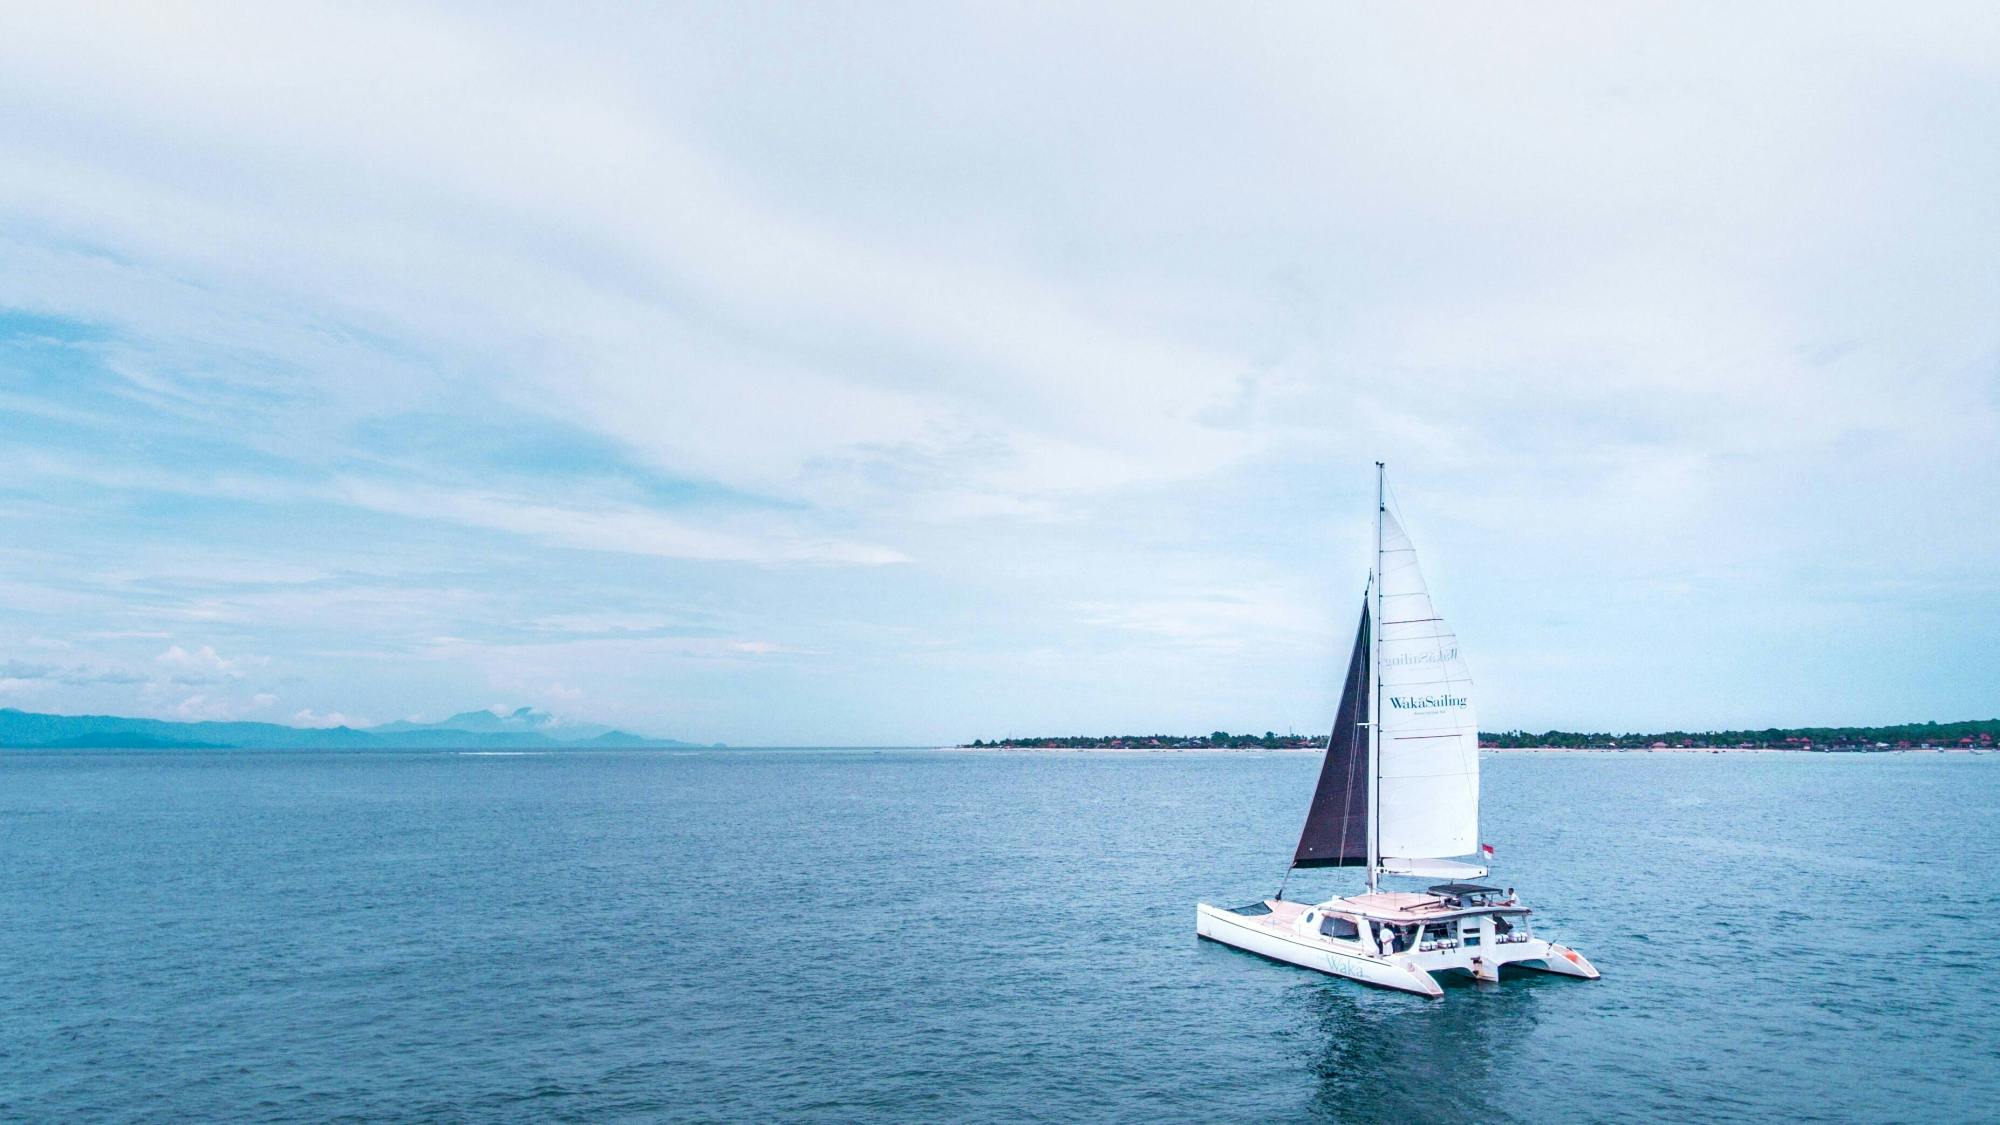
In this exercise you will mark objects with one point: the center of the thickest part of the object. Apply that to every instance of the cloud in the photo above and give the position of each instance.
(307, 717)
(202, 666)
(602, 347)
(610, 528)
(753, 536)
(769, 648)
(72, 674)
(964, 337)
(204, 708)
(1216, 619)
(614, 622)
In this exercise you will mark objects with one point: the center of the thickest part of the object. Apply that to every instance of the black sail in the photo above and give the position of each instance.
(1336, 832)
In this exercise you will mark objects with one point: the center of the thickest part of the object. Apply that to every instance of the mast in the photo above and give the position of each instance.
(1375, 701)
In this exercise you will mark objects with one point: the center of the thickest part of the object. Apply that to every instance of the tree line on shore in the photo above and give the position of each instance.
(1972, 734)
(1976, 733)
(1217, 740)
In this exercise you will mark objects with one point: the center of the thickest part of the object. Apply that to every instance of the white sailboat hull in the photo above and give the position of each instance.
(1230, 928)
(1279, 936)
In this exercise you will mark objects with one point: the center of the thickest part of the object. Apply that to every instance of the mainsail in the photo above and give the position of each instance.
(1428, 804)
(1427, 770)
(1336, 832)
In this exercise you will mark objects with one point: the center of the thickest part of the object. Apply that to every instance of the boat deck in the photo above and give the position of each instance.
(1387, 906)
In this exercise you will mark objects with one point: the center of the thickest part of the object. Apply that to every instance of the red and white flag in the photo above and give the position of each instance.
(1486, 850)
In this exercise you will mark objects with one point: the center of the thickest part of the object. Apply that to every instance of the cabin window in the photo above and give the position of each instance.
(1437, 935)
(1338, 927)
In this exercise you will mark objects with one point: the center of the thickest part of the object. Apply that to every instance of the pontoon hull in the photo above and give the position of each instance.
(1230, 928)
(1559, 959)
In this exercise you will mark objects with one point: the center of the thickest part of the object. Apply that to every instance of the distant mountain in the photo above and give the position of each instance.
(27, 728)
(620, 738)
(128, 740)
(23, 729)
(521, 720)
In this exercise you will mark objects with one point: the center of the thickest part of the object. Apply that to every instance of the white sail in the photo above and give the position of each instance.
(1428, 804)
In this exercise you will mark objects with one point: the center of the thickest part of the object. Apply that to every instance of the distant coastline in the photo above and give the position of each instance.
(996, 748)
(1969, 736)
(522, 729)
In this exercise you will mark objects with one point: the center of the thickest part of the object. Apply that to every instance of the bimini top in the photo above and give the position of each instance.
(1460, 890)
(1409, 906)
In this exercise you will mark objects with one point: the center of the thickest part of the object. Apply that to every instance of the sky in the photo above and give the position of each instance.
(914, 373)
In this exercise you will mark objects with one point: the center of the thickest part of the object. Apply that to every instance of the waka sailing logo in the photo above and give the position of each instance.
(1433, 656)
(1425, 702)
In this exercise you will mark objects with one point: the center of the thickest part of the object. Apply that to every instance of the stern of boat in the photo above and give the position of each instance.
(1485, 963)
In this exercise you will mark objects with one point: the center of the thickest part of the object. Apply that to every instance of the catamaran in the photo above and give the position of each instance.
(1398, 793)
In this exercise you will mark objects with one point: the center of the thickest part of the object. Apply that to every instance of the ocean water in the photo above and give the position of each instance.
(848, 935)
